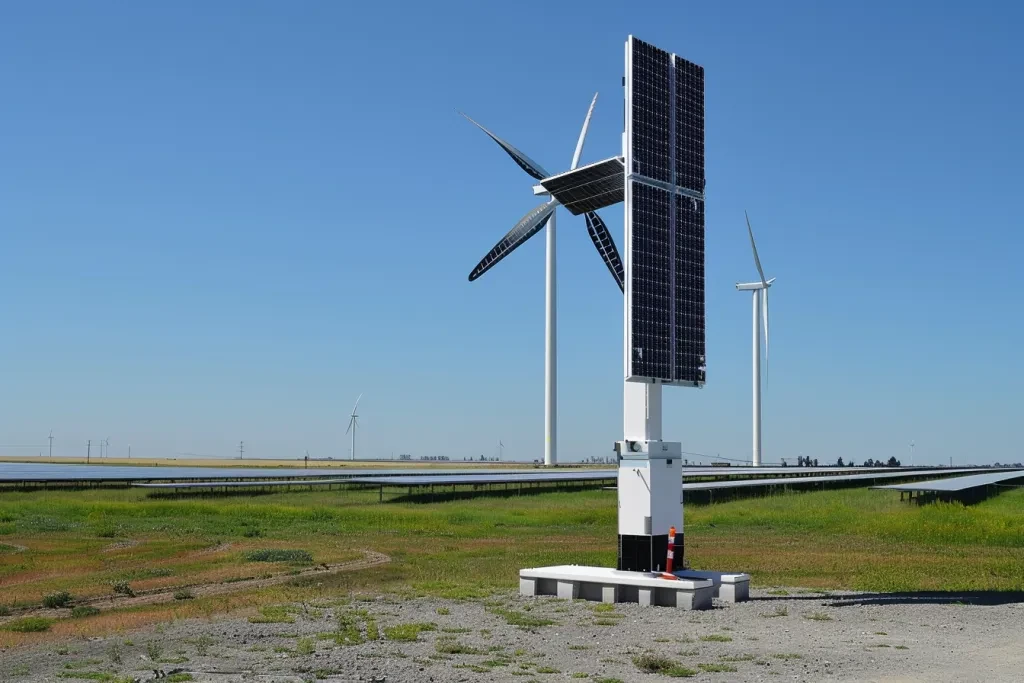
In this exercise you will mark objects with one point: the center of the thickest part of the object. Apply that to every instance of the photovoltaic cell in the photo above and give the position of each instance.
(588, 188)
(652, 331)
(650, 111)
(690, 364)
(689, 125)
(665, 226)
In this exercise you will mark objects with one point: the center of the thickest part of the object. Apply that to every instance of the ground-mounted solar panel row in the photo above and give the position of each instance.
(958, 484)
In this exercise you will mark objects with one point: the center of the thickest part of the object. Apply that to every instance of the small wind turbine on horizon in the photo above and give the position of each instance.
(353, 422)
(759, 290)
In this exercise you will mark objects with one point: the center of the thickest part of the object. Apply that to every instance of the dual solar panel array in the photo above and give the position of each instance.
(661, 179)
(664, 174)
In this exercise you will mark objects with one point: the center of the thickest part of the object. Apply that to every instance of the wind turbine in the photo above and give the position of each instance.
(759, 290)
(353, 422)
(532, 223)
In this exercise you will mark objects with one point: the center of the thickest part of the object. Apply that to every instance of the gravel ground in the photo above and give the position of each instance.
(799, 636)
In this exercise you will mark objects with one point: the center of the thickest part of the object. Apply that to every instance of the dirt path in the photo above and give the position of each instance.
(370, 559)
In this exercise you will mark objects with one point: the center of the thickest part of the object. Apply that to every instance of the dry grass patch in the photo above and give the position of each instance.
(655, 664)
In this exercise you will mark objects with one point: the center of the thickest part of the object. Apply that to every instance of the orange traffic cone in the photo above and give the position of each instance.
(667, 574)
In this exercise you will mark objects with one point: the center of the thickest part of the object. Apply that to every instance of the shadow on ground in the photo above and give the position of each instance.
(908, 598)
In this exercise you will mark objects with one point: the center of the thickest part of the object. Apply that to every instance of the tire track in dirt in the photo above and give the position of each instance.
(370, 559)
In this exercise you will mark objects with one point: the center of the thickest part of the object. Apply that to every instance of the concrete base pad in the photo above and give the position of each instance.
(729, 587)
(602, 584)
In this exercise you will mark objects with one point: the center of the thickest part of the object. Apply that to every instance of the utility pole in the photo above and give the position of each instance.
(88, 451)
(51, 443)
(911, 453)
(241, 449)
(129, 451)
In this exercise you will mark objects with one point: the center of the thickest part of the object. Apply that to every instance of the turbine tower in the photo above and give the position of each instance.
(353, 422)
(759, 292)
(559, 190)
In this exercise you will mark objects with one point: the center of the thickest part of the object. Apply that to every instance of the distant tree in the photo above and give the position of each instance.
(784, 462)
(869, 463)
(893, 462)
(815, 462)
(839, 463)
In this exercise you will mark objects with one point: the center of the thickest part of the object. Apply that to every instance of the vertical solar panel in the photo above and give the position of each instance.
(651, 293)
(689, 125)
(664, 151)
(689, 291)
(650, 111)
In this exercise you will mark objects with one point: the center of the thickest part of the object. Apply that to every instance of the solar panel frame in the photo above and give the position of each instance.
(664, 216)
(957, 484)
(589, 187)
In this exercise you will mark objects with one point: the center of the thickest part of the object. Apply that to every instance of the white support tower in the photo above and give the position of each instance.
(550, 350)
(756, 358)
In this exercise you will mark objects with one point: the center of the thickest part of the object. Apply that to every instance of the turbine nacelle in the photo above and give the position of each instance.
(749, 286)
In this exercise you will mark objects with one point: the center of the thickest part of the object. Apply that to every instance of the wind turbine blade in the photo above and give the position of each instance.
(753, 246)
(528, 226)
(583, 135)
(525, 162)
(357, 403)
(350, 425)
(602, 239)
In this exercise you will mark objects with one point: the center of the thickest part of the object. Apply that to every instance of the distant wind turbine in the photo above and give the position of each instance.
(353, 422)
(760, 298)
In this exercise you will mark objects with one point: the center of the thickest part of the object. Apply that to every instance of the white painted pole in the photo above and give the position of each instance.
(757, 377)
(550, 354)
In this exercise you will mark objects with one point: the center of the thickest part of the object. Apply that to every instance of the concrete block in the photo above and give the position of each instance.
(645, 596)
(700, 598)
(735, 592)
(527, 587)
(568, 590)
(609, 594)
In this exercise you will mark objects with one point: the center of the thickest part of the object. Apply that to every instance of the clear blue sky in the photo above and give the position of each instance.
(223, 221)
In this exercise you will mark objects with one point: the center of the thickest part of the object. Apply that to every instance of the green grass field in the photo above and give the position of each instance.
(86, 541)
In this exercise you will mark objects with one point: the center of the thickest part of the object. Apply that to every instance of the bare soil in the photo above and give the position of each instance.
(799, 635)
